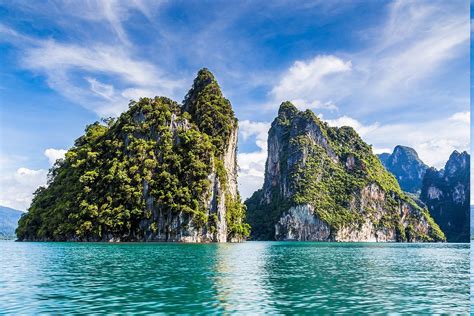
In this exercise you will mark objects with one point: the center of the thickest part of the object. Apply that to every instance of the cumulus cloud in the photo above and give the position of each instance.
(396, 86)
(54, 154)
(18, 184)
(305, 81)
(358, 126)
(464, 117)
(402, 62)
(316, 104)
(434, 140)
(252, 164)
(17, 187)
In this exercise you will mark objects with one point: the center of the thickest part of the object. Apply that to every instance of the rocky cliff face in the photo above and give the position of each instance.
(160, 172)
(447, 194)
(324, 184)
(406, 166)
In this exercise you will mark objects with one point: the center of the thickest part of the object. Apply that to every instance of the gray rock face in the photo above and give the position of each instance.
(446, 193)
(300, 223)
(180, 227)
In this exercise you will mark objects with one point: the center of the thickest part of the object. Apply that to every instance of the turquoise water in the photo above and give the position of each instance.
(252, 277)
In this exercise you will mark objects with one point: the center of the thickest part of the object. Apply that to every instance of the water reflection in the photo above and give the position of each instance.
(241, 278)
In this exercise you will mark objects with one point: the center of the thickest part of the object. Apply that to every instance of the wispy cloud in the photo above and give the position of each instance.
(399, 71)
(305, 81)
(110, 15)
(400, 62)
(71, 70)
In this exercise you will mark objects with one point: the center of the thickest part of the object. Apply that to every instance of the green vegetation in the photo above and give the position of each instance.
(212, 112)
(329, 168)
(151, 164)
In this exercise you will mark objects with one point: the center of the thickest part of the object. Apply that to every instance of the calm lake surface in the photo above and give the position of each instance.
(252, 277)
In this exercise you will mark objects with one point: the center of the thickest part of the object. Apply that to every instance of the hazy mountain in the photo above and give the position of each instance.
(447, 193)
(8, 221)
(406, 166)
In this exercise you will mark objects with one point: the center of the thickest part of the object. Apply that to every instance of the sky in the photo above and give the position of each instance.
(396, 71)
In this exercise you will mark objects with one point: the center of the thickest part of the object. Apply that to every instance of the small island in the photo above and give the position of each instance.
(160, 172)
(324, 183)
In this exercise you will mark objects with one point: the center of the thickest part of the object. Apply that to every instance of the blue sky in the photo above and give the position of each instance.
(398, 72)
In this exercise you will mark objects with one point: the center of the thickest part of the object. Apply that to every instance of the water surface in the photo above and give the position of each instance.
(252, 277)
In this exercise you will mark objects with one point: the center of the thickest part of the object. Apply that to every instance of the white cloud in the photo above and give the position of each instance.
(54, 154)
(73, 71)
(111, 15)
(53, 56)
(59, 62)
(464, 117)
(403, 58)
(316, 104)
(359, 127)
(302, 77)
(305, 81)
(16, 189)
(403, 69)
(258, 129)
(252, 164)
(433, 140)
(18, 184)
(104, 90)
(136, 93)
(114, 12)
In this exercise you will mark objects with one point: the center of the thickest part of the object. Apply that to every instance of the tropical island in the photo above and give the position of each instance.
(164, 171)
(159, 172)
(324, 184)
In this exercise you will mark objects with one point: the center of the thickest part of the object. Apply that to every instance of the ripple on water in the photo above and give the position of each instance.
(252, 277)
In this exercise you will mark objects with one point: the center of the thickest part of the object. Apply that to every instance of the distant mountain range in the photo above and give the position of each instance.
(406, 166)
(8, 221)
(445, 192)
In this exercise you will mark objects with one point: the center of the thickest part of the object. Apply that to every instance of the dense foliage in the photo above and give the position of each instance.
(212, 112)
(328, 174)
(122, 178)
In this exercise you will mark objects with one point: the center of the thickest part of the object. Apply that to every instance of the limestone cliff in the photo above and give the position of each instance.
(447, 193)
(159, 172)
(325, 184)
